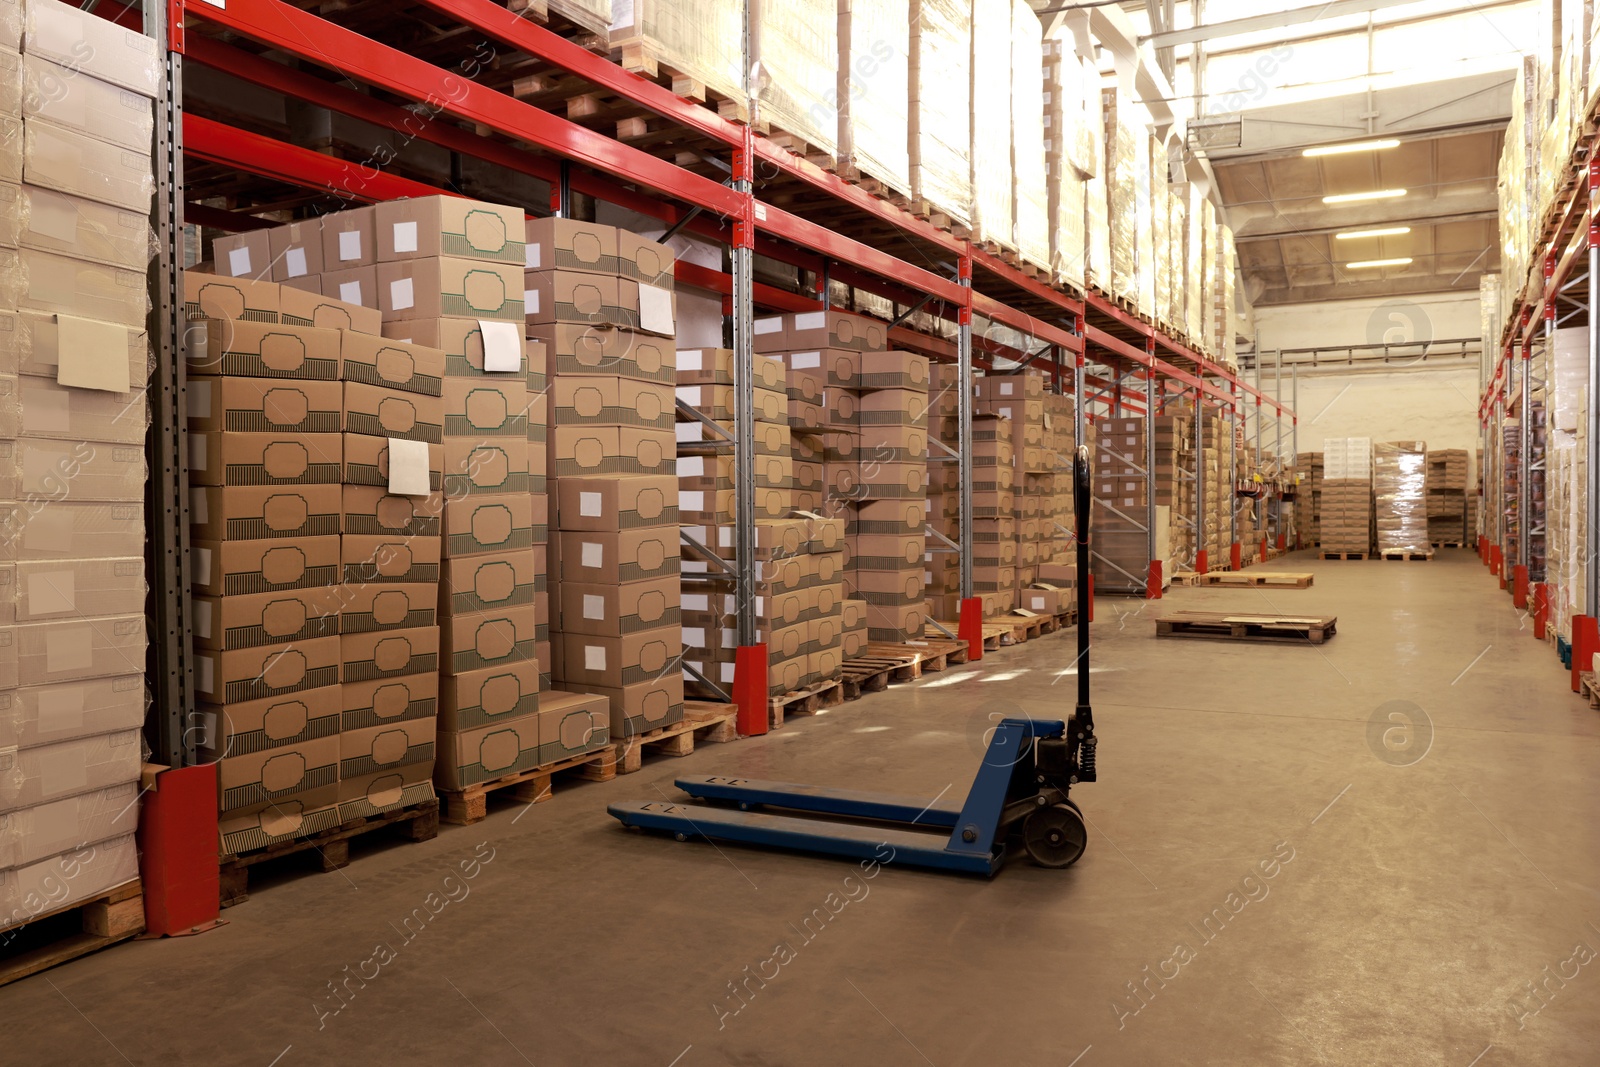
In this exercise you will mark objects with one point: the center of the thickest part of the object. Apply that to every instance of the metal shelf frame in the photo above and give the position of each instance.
(293, 53)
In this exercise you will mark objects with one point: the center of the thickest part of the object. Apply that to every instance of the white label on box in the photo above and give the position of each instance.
(56, 217)
(530, 301)
(238, 261)
(1036, 603)
(294, 261)
(62, 769)
(811, 320)
(205, 670)
(502, 346)
(805, 361)
(594, 553)
(408, 467)
(202, 566)
(52, 593)
(655, 309)
(94, 355)
(1006, 388)
(691, 466)
(689, 394)
(694, 636)
(688, 431)
(770, 325)
(594, 607)
(726, 673)
(47, 412)
(405, 237)
(400, 294)
(208, 730)
(530, 256)
(696, 602)
(350, 245)
(197, 452)
(690, 359)
(691, 501)
(200, 398)
(202, 616)
(198, 512)
(69, 649)
(590, 505)
(60, 708)
(594, 657)
(350, 292)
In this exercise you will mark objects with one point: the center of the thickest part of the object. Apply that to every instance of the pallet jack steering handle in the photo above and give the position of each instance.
(1083, 716)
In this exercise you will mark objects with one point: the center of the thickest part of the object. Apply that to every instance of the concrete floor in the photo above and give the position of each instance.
(1372, 905)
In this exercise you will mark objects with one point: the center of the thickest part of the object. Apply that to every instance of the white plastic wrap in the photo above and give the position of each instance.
(77, 287)
(1160, 255)
(795, 51)
(991, 122)
(70, 162)
(47, 714)
(941, 107)
(60, 881)
(1063, 85)
(28, 835)
(30, 776)
(874, 91)
(592, 15)
(699, 38)
(1144, 204)
(84, 229)
(1123, 193)
(69, 97)
(1399, 489)
(1030, 194)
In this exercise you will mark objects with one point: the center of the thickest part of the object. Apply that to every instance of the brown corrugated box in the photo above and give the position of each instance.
(891, 370)
(606, 400)
(560, 244)
(253, 405)
(488, 696)
(617, 556)
(605, 504)
(384, 749)
(618, 661)
(461, 340)
(486, 406)
(370, 509)
(578, 348)
(255, 619)
(717, 402)
(373, 606)
(616, 610)
(820, 329)
(366, 461)
(714, 366)
(449, 226)
(380, 412)
(254, 673)
(349, 239)
(214, 296)
(644, 260)
(467, 757)
(493, 466)
(295, 249)
(445, 285)
(643, 706)
(249, 512)
(266, 458)
(561, 296)
(353, 285)
(388, 654)
(571, 724)
(488, 582)
(258, 725)
(235, 568)
(891, 408)
(307, 772)
(480, 524)
(475, 641)
(243, 348)
(382, 700)
(374, 794)
(390, 364)
(585, 451)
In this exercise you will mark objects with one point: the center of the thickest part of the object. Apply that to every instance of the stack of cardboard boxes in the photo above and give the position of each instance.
(1447, 496)
(1308, 499)
(600, 301)
(74, 361)
(1346, 519)
(1400, 495)
(1122, 498)
(1018, 401)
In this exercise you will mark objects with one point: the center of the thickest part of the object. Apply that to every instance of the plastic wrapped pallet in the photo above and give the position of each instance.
(940, 108)
(1400, 495)
(1030, 195)
(794, 44)
(874, 91)
(1160, 258)
(1123, 148)
(697, 38)
(592, 15)
(1222, 295)
(1177, 264)
(1097, 254)
(991, 122)
(1063, 127)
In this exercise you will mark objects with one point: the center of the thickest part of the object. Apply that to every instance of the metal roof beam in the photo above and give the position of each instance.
(1275, 20)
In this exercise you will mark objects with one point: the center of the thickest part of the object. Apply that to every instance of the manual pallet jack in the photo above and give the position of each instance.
(1020, 791)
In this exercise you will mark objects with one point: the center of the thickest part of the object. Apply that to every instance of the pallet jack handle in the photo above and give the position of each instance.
(1082, 726)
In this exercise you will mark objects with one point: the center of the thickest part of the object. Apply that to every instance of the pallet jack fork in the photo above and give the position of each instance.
(1019, 793)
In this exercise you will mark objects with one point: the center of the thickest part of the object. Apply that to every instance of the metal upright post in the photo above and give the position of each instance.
(1230, 498)
(1079, 423)
(1585, 628)
(1294, 445)
(1153, 578)
(1201, 559)
(964, 421)
(171, 638)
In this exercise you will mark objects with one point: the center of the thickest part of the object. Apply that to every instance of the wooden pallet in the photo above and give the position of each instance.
(1589, 686)
(702, 721)
(1449, 544)
(884, 663)
(643, 58)
(1240, 626)
(1342, 555)
(1405, 554)
(1274, 579)
(463, 807)
(419, 822)
(808, 701)
(1025, 627)
(48, 939)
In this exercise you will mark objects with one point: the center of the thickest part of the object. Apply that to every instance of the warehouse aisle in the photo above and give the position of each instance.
(1267, 882)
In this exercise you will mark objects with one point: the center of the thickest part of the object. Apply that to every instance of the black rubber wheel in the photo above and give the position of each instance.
(1055, 836)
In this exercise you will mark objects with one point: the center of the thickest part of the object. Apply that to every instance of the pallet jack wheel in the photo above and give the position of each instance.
(1055, 836)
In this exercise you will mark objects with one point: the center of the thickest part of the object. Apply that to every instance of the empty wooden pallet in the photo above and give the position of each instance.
(1248, 579)
(1239, 626)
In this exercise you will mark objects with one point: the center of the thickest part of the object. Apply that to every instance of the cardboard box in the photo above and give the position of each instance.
(381, 558)
(467, 757)
(30, 344)
(461, 340)
(63, 285)
(38, 407)
(488, 582)
(580, 348)
(494, 466)
(85, 42)
(38, 472)
(49, 772)
(446, 285)
(714, 366)
(233, 677)
(616, 610)
(244, 348)
(236, 568)
(273, 722)
(380, 412)
(430, 226)
(647, 308)
(385, 748)
(364, 657)
(717, 402)
(67, 161)
(367, 608)
(307, 772)
(892, 408)
(374, 794)
(586, 451)
(255, 512)
(606, 400)
(266, 458)
(486, 407)
(572, 724)
(366, 461)
(70, 529)
(475, 525)
(351, 285)
(643, 706)
(617, 557)
(253, 405)
(49, 829)
(771, 438)
(717, 507)
(559, 296)
(892, 370)
(473, 642)
(711, 473)
(493, 695)
(386, 700)
(282, 820)
(608, 503)
(285, 252)
(389, 364)
(820, 329)
(82, 229)
(558, 244)
(309, 307)
(369, 509)
(618, 661)
(1046, 600)
(349, 239)
(256, 619)
(646, 261)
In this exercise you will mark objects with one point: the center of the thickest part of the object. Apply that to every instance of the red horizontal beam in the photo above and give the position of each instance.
(230, 146)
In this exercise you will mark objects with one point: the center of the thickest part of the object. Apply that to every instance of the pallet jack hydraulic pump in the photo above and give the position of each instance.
(1020, 794)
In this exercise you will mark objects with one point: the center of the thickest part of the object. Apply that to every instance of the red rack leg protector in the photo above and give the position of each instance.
(1519, 585)
(1261, 556)
(1282, 540)
(1500, 565)
(1585, 642)
(1200, 562)
(1483, 550)
(1235, 555)
(178, 851)
(969, 627)
(1541, 609)
(1091, 598)
(750, 681)
(1152, 581)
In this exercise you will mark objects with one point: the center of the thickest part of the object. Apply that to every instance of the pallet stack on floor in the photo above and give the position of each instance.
(1346, 522)
(1447, 496)
(1400, 498)
(74, 362)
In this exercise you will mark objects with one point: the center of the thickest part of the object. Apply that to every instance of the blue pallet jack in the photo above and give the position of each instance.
(1020, 793)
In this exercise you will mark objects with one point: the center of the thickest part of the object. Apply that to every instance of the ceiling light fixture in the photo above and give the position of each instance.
(1401, 262)
(1376, 194)
(1353, 146)
(1391, 231)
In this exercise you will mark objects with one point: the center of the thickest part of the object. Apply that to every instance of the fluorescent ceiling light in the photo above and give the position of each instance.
(1390, 231)
(1379, 263)
(1376, 194)
(1353, 146)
